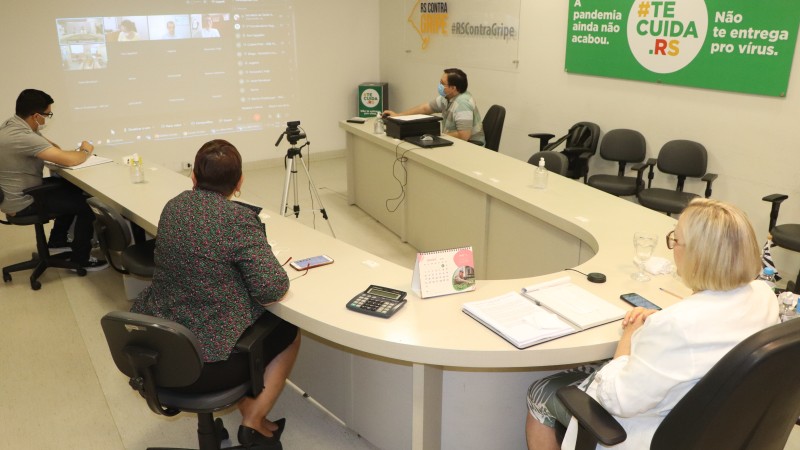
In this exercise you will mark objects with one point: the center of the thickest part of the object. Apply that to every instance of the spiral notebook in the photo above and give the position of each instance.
(444, 272)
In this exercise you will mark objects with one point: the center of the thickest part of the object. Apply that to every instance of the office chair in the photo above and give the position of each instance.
(749, 400)
(623, 146)
(117, 244)
(555, 162)
(681, 158)
(581, 144)
(786, 235)
(159, 355)
(493, 126)
(41, 259)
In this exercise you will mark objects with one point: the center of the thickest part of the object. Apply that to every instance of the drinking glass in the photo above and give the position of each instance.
(643, 244)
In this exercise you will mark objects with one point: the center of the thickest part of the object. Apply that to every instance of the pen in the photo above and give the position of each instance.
(671, 293)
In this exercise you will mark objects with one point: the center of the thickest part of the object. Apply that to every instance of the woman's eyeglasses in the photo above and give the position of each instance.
(671, 241)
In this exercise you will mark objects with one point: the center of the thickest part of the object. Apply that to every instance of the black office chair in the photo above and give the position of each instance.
(625, 147)
(41, 259)
(117, 244)
(493, 126)
(749, 400)
(555, 162)
(683, 159)
(581, 144)
(786, 235)
(159, 355)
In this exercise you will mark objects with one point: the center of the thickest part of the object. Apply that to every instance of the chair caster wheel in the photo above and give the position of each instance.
(81, 272)
(35, 285)
(6, 277)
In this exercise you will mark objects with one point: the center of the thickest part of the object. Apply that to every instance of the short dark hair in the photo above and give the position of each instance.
(128, 25)
(32, 101)
(457, 78)
(218, 167)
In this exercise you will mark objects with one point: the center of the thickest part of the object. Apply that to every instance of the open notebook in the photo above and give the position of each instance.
(543, 312)
(93, 160)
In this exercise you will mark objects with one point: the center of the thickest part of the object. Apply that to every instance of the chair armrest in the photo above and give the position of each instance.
(776, 200)
(544, 139)
(639, 168)
(773, 198)
(252, 342)
(591, 416)
(709, 178)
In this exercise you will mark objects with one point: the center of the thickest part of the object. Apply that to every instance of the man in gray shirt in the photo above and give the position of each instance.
(460, 115)
(23, 152)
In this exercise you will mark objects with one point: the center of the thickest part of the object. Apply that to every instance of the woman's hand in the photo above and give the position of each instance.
(636, 317)
(633, 320)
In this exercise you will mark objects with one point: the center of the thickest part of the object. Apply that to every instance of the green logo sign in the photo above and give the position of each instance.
(735, 45)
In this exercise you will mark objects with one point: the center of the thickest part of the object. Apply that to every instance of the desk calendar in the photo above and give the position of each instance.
(444, 272)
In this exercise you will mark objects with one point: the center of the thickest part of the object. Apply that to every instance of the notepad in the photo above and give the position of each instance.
(542, 312)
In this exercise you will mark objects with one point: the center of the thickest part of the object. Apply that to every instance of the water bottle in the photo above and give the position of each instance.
(786, 303)
(136, 170)
(768, 275)
(540, 175)
(378, 127)
(791, 313)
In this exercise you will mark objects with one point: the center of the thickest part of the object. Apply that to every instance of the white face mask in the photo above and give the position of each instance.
(42, 125)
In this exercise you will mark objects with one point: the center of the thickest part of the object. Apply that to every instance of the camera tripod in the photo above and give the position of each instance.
(292, 155)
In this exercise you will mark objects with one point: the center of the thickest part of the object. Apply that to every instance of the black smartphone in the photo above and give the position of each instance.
(637, 300)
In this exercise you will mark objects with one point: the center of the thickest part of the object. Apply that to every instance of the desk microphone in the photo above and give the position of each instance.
(596, 277)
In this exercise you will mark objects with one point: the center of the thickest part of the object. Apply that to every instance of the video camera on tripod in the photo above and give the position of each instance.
(292, 133)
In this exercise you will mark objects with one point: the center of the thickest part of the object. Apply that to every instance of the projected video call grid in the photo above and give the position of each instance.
(171, 76)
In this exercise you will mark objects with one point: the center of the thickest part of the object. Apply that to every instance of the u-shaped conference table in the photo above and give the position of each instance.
(430, 376)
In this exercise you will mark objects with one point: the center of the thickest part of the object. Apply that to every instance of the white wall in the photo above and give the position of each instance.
(751, 140)
(333, 58)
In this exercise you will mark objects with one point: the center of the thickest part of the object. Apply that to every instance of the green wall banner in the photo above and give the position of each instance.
(732, 45)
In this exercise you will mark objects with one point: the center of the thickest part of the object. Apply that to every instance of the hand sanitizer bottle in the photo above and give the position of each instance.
(540, 175)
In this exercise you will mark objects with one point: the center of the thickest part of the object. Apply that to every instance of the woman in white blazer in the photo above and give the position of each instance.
(662, 354)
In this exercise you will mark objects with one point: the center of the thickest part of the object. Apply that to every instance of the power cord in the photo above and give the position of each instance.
(402, 160)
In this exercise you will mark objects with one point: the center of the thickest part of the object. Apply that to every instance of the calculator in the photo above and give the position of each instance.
(378, 301)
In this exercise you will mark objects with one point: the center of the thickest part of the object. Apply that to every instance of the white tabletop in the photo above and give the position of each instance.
(432, 331)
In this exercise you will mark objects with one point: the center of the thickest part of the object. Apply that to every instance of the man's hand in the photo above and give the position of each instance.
(67, 158)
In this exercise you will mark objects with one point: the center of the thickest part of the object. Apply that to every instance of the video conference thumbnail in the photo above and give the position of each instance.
(84, 41)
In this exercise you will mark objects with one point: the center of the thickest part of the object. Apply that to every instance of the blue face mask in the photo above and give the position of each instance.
(441, 89)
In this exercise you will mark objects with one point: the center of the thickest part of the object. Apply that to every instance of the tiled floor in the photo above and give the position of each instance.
(58, 386)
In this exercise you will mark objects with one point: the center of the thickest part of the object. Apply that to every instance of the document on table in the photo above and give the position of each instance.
(518, 319)
(93, 160)
(574, 303)
(414, 117)
(543, 312)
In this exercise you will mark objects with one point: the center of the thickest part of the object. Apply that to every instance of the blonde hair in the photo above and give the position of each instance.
(720, 248)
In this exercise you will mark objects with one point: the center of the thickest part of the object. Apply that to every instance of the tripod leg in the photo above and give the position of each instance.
(296, 207)
(315, 195)
(285, 198)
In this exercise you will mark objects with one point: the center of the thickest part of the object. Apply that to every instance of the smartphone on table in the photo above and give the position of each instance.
(637, 300)
(310, 263)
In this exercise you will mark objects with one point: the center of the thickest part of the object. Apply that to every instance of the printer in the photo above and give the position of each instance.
(401, 127)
